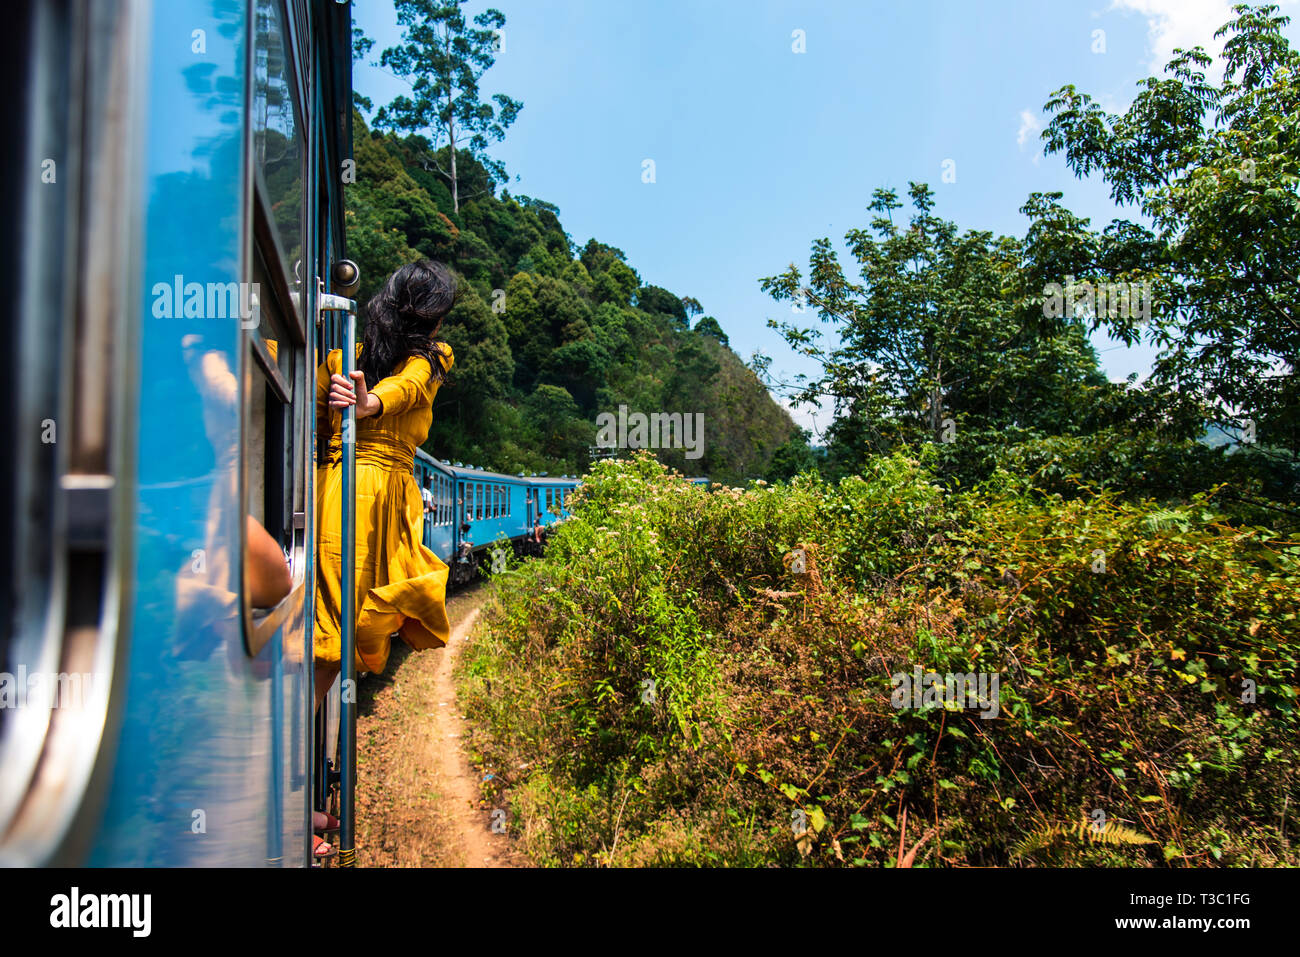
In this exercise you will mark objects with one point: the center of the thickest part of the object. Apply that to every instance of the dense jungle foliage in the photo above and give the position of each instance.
(670, 686)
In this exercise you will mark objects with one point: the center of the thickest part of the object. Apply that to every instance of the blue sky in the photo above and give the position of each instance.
(758, 150)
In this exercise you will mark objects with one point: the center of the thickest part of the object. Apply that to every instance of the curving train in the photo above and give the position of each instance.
(473, 509)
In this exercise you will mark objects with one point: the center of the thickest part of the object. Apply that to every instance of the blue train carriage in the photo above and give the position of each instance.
(439, 480)
(551, 499)
(177, 211)
(488, 507)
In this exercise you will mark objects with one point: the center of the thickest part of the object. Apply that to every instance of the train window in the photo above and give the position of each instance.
(479, 498)
(274, 459)
(278, 134)
(275, 389)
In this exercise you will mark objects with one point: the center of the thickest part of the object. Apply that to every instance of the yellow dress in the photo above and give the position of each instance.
(401, 586)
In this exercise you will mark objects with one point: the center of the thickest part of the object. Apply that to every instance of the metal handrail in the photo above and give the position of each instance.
(347, 610)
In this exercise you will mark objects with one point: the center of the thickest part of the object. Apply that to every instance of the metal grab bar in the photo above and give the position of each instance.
(347, 611)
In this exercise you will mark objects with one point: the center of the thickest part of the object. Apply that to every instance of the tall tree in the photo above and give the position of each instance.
(1216, 169)
(938, 336)
(443, 57)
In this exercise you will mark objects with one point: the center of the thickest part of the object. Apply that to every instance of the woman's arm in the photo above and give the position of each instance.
(268, 573)
(407, 387)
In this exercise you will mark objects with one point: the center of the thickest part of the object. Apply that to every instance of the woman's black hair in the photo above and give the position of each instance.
(402, 319)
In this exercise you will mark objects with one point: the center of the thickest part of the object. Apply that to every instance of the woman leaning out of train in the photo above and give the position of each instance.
(401, 586)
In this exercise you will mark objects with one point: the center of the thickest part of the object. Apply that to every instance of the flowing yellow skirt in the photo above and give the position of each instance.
(401, 586)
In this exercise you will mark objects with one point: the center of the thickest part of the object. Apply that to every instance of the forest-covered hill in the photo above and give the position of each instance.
(548, 335)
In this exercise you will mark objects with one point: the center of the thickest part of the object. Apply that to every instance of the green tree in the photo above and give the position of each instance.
(708, 326)
(792, 458)
(443, 57)
(1215, 168)
(937, 340)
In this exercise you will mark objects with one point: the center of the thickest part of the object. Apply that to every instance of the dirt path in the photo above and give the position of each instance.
(418, 800)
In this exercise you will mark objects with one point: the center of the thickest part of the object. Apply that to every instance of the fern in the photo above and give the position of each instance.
(1079, 832)
(1163, 520)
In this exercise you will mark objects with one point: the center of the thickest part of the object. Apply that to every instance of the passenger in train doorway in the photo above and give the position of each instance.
(426, 494)
(401, 585)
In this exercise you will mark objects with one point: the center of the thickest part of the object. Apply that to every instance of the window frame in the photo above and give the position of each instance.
(286, 307)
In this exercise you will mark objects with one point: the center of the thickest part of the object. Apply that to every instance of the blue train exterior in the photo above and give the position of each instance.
(473, 509)
(177, 209)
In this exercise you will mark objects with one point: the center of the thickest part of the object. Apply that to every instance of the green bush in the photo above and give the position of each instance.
(674, 684)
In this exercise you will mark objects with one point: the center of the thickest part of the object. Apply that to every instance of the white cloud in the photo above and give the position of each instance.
(1029, 126)
(1183, 24)
(1029, 130)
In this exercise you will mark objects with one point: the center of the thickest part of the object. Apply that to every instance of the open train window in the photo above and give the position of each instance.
(276, 400)
(276, 396)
